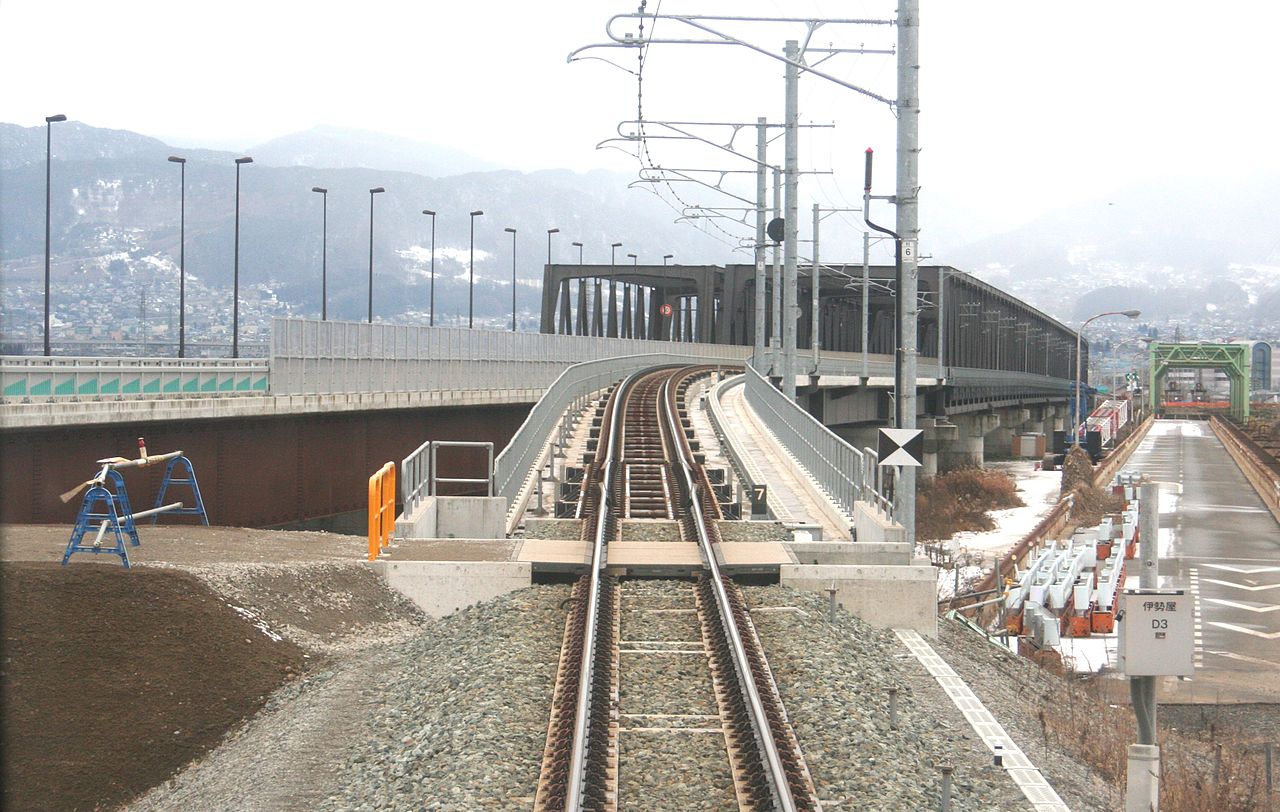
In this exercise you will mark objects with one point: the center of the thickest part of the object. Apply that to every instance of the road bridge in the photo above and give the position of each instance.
(290, 437)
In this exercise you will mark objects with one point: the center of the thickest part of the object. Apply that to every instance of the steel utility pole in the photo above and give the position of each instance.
(815, 289)
(775, 337)
(790, 220)
(908, 228)
(762, 144)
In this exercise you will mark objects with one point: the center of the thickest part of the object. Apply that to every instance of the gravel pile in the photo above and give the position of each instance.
(463, 724)
(835, 681)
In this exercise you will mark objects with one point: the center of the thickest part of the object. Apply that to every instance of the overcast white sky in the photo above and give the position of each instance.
(1025, 104)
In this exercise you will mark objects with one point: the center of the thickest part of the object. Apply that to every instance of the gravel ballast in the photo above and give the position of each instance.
(462, 725)
(835, 679)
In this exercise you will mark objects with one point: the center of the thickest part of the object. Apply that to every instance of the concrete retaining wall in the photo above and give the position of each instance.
(885, 596)
(441, 588)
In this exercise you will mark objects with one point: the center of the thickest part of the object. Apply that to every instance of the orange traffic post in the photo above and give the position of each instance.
(382, 508)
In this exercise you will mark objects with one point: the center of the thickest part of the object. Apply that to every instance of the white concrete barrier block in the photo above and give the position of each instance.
(441, 588)
(904, 597)
(871, 525)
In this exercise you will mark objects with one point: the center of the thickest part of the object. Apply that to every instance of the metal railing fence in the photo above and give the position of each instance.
(61, 378)
(322, 357)
(512, 467)
(846, 474)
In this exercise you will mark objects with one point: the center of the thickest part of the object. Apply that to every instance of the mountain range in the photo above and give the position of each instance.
(1203, 253)
(116, 207)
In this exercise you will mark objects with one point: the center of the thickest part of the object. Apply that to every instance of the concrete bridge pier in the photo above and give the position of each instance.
(960, 442)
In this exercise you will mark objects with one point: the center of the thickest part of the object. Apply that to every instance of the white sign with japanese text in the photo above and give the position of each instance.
(1156, 637)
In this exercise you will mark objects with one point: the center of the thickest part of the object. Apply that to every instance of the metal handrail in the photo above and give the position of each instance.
(436, 479)
(837, 467)
(514, 465)
(415, 482)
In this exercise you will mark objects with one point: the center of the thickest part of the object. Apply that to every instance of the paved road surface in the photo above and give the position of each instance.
(1219, 539)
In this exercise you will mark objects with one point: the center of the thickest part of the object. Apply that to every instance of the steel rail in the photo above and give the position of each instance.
(574, 799)
(764, 738)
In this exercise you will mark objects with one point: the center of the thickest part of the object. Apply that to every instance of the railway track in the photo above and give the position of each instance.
(644, 468)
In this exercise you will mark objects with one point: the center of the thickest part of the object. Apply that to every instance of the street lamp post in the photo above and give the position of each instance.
(235, 274)
(431, 313)
(182, 256)
(324, 252)
(377, 190)
(48, 178)
(666, 257)
(579, 247)
(512, 232)
(564, 286)
(1079, 421)
(471, 284)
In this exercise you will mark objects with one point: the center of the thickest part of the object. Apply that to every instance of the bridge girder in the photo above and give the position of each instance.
(1233, 359)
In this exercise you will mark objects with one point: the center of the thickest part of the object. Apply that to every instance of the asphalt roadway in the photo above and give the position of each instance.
(1218, 539)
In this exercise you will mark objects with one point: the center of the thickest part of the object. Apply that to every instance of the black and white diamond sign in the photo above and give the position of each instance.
(901, 447)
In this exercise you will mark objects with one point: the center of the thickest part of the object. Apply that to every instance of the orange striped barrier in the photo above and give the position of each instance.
(382, 508)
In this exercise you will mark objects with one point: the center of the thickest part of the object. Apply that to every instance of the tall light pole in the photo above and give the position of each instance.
(563, 293)
(550, 231)
(1079, 421)
(666, 257)
(578, 245)
(377, 190)
(512, 232)
(182, 256)
(431, 317)
(634, 260)
(235, 275)
(471, 285)
(324, 252)
(48, 161)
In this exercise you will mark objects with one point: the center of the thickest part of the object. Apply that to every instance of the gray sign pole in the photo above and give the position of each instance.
(762, 204)
(1143, 785)
(908, 228)
(792, 218)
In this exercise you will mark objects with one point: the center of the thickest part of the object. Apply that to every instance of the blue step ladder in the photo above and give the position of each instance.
(187, 476)
(115, 513)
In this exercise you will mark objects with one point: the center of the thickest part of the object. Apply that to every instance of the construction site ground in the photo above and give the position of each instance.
(114, 679)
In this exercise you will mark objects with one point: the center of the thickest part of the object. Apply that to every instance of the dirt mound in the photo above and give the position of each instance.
(959, 500)
(1077, 470)
(114, 678)
(1091, 504)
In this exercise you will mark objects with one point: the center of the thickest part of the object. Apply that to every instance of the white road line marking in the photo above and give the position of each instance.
(1242, 570)
(1266, 607)
(1243, 586)
(1233, 627)
(1231, 655)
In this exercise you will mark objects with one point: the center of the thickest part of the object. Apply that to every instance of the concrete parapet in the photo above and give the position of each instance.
(448, 517)
(870, 525)
(851, 552)
(441, 588)
(884, 596)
